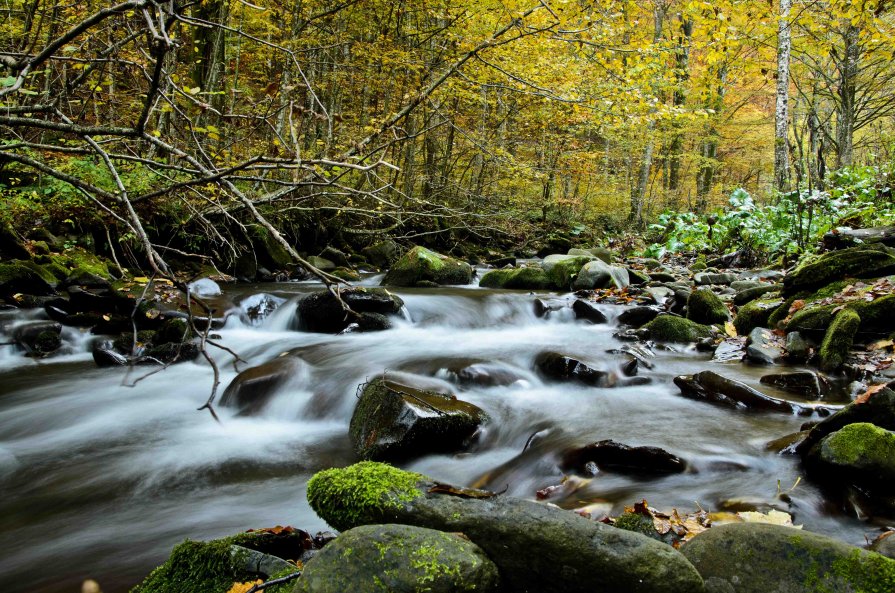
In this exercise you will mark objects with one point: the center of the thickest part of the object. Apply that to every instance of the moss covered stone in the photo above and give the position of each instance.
(760, 558)
(518, 278)
(205, 567)
(705, 307)
(362, 493)
(866, 261)
(399, 559)
(839, 339)
(862, 453)
(422, 267)
(756, 314)
(670, 328)
(563, 269)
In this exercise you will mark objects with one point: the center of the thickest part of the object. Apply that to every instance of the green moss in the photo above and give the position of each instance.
(839, 339)
(704, 306)
(518, 278)
(361, 493)
(201, 567)
(670, 328)
(860, 443)
(757, 313)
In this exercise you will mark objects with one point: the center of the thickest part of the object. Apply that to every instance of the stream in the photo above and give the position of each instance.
(103, 471)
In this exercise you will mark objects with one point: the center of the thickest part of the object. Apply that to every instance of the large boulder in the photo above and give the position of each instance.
(563, 269)
(420, 266)
(517, 278)
(251, 389)
(860, 453)
(671, 328)
(398, 559)
(397, 421)
(599, 274)
(704, 306)
(322, 312)
(865, 261)
(535, 547)
(764, 558)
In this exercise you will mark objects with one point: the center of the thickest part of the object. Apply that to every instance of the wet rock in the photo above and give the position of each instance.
(255, 308)
(535, 547)
(321, 312)
(704, 306)
(560, 367)
(838, 340)
(670, 328)
(39, 337)
(712, 387)
(762, 347)
(638, 316)
(383, 254)
(760, 558)
(860, 453)
(543, 306)
(588, 311)
(254, 387)
(397, 421)
(399, 559)
(517, 278)
(806, 383)
(617, 457)
(756, 313)
(563, 269)
(866, 261)
(729, 350)
(797, 349)
(750, 294)
(420, 265)
(599, 274)
(205, 287)
(707, 278)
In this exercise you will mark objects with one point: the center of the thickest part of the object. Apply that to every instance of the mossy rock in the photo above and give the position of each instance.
(209, 567)
(26, 277)
(757, 313)
(706, 308)
(860, 453)
(563, 269)
(760, 558)
(671, 328)
(399, 559)
(518, 278)
(866, 261)
(420, 266)
(362, 493)
(395, 421)
(838, 340)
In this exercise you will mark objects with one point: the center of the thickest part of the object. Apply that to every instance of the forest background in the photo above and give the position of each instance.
(157, 129)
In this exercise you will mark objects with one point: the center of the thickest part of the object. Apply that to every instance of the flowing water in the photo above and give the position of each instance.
(103, 471)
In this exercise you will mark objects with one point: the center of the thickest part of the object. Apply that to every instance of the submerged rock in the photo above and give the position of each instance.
(535, 547)
(420, 266)
(398, 559)
(565, 368)
(617, 457)
(761, 558)
(395, 421)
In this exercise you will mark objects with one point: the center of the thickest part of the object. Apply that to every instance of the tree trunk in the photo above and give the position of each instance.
(781, 113)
